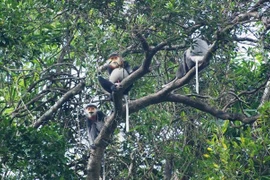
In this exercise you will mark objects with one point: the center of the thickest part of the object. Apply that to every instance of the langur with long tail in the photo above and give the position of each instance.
(118, 69)
(95, 122)
(192, 57)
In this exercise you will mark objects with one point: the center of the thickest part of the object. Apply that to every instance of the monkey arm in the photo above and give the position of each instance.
(127, 67)
(105, 66)
(100, 116)
(185, 66)
(89, 124)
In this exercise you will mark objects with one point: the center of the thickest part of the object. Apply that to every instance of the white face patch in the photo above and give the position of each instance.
(87, 114)
(90, 111)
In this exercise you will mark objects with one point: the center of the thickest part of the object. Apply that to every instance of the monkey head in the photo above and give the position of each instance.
(198, 49)
(90, 111)
(115, 61)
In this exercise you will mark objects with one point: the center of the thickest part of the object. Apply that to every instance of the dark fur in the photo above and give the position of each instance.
(196, 49)
(184, 67)
(94, 126)
(110, 86)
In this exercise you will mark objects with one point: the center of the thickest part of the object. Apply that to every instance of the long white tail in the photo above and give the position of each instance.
(197, 76)
(127, 113)
(103, 168)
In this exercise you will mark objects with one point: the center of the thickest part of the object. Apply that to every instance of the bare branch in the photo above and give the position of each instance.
(244, 17)
(47, 115)
(258, 5)
(143, 41)
(211, 110)
(246, 39)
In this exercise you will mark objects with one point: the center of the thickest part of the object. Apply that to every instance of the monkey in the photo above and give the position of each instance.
(193, 56)
(95, 122)
(118, 69)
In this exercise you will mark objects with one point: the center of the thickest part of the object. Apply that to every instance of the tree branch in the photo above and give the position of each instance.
(47, 115)
(211, 110)
(162, 95)
(143, 41)
(104, 137)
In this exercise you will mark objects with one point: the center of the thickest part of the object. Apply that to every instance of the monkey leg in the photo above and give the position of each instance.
(92, 134)
(181, 71)
(186, 65)
(105, 84)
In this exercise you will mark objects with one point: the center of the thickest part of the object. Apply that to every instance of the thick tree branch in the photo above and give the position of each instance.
(177, 83)
(143, 102)
(143, 41)
(145, 67)
(211, 110)
(104, 137)
(163, 95)
(246, 39)
(47, 115)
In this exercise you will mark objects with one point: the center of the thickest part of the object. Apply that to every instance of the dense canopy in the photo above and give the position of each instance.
(50, 52)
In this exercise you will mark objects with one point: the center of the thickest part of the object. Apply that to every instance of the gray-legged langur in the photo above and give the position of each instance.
(118, 70)
(193, 56)
(95, 122)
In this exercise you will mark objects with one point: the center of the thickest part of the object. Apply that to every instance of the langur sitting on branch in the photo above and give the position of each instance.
(192, 57)
(118, 69)
(95, 122)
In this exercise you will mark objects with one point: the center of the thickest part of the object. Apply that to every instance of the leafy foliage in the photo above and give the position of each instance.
(238, 153)
(29, 154)
(50, 50)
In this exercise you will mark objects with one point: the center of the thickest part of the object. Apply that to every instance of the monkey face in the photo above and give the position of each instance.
(90, 111)
(115, 62)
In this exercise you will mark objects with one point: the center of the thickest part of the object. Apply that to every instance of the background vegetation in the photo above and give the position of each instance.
(49, 54)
